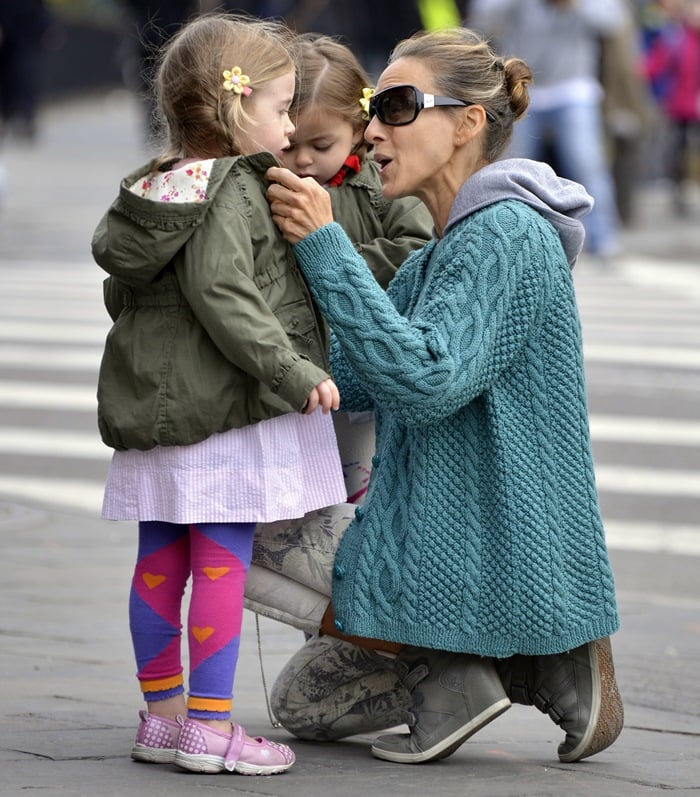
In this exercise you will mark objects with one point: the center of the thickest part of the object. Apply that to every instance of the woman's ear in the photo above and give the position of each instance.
(471, 122)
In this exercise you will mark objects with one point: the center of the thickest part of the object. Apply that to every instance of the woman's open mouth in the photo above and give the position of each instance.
(383, 161)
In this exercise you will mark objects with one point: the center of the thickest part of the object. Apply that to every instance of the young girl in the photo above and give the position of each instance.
(673, 62)
(328, 144)
(210, 382)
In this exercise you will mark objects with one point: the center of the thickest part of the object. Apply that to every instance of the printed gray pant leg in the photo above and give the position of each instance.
(301, 551)
(331, 689)
(290, 575)
(354, 433)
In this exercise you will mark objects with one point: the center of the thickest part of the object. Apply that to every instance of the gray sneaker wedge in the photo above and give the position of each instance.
(454, 695)
(576, 689)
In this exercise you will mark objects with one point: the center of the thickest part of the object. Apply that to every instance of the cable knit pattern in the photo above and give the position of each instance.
(481, 530)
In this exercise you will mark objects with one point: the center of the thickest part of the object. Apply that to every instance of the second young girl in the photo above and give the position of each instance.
(213, 387)
(330, 116)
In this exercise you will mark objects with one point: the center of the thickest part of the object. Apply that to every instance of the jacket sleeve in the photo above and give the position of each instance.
(218, 283)
(407, 225)
(481, 302)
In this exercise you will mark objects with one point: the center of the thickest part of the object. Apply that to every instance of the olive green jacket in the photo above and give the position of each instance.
(214, 327)
(383, 231)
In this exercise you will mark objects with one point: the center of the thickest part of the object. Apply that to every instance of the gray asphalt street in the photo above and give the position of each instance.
(67, 687)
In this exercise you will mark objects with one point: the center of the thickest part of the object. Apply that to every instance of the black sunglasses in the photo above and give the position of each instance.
(400, 105)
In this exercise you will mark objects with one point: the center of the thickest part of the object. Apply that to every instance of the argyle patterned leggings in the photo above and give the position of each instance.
(217, 555)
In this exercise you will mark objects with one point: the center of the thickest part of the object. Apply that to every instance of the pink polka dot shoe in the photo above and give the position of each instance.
(202, 749)
(156, 739)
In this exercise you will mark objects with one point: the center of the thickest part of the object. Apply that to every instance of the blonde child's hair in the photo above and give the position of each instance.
(200, 117)
(331, 78)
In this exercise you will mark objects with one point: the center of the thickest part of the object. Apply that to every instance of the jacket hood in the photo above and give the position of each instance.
(563, 202)
(138, 237)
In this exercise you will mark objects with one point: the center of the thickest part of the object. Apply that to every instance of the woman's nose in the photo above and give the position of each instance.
(373, 131)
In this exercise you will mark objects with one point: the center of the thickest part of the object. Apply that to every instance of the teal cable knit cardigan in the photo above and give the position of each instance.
(481, 530)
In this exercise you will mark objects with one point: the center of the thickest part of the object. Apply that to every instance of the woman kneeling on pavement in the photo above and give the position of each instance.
(479, 548)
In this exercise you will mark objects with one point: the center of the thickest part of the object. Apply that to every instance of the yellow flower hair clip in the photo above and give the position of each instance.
(364, 101)
(236, 81)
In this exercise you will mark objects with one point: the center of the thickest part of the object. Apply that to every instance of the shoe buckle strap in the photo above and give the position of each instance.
(235, 746)
(546, 707)
(415, 676)
(519, 693)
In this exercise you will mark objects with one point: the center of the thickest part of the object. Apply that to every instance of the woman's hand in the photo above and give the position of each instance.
(299, 205)
(325, 395)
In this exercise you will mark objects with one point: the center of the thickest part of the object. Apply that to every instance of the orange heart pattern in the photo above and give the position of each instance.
(152, 581)
(202, 634)
(215, 572)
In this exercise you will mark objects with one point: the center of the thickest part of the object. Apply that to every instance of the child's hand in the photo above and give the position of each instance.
(324, 395)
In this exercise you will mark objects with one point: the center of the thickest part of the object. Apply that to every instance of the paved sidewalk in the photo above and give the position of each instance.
(70, 698)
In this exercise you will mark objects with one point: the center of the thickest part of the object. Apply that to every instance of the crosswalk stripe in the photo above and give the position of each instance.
(84, 495)
(42, 358)
(53, 443)
(48, 394)
(70, 332)
(661, 356)
(648, 481)
(604, 428)
(74, 494)
(57, 291)
(651, 356)
(50, 311)
(669, 277)
(660, 431)
(634, 536)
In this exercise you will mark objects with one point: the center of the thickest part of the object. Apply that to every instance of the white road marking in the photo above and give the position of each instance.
(47, 395)
(43, 358)
(53, 443)
(73, 494)
(649, 356)
(648, 481)
(54, 332)
(634, 536)
(660, 431)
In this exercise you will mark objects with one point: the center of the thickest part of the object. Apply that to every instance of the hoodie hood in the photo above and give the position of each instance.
(563, 202)
(138, 237)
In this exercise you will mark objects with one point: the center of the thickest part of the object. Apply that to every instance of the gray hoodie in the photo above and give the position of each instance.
(562, 202)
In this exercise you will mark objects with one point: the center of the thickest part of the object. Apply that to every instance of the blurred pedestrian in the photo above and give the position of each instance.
(628, 110)
(560, 40)
(153, 23)
(673, 65)
(24, 26)
(213, 387)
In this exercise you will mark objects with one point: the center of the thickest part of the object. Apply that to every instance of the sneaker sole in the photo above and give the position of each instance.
(242, 768)
(608, 712)
(210, 764)
(449, 744)
(153, 755)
